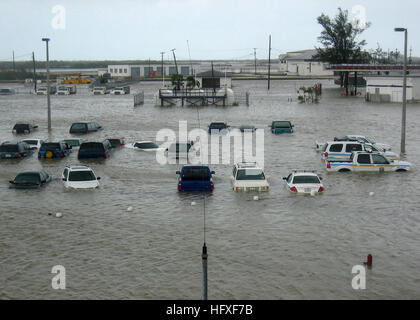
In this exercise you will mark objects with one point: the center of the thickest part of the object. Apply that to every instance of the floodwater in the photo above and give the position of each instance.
(282, 246)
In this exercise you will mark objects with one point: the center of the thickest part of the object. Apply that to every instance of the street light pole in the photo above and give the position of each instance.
(48, 85)
(404, 102)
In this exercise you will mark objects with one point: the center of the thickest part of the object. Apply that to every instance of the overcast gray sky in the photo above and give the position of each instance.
(215, 29)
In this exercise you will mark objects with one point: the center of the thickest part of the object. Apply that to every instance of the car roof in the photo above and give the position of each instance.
(345, 141)
(78, 167)
(304, 173)
(31, 171)
(247, 165)
(195, 167)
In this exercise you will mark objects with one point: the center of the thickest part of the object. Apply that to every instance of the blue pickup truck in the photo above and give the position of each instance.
(195, 178)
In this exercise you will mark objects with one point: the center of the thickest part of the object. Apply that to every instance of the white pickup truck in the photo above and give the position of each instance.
(367, 161)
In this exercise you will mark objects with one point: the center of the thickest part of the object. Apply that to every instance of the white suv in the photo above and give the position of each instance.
(248, 176)
(80, 177)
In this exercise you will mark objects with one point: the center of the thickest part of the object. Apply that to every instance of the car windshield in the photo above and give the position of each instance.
(180, 147)
(114, 142)
(31, 142)
(247, 127)
(118, 88)
(81, 176)
(250, 174)
(92, 146)
(146, 145)
(73, 143)
(305, 179)
(281, 124)
(195, 174)
(51, 146)
(27, 178)
(9, 148)
(217, 125)
(78, 126)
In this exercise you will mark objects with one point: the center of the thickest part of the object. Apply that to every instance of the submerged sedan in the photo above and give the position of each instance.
(149, 146)
(30, 180)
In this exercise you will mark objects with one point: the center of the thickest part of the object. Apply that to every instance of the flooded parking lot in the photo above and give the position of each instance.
(282, 246)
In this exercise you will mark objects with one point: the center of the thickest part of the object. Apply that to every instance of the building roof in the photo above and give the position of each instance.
(298, 55)
(215, 74)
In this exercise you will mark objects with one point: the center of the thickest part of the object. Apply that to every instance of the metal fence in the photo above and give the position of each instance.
(139, 98)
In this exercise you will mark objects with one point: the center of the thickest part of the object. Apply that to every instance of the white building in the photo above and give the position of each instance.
(390, 89)
(147, 70)
(300, 63)
(214, 79)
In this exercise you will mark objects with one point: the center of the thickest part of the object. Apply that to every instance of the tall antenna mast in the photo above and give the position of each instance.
(189, 54)
(269, 60)
(176, 66)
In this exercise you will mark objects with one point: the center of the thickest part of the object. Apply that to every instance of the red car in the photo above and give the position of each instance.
(117, 143)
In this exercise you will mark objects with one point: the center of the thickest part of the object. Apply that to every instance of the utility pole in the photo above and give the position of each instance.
(404, 102)
(255, 60)
(269, 60)
(48, 85)
(14, 67)
(176, 66)
(204, 256)
(163, 71)
(33, 60)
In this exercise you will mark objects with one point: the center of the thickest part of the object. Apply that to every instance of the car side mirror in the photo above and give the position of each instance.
(284, 178)
(166, 149)
(213, 172)
(320, 178)
(98, 178)
(64, 179)
(178, 172)
(11, 181)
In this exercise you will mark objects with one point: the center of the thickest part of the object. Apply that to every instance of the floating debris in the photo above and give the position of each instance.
(193, 203)
(371, 194)
(256, 198)
(58, 215)
(129, 209)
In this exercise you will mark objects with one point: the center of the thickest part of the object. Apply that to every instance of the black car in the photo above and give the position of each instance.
(15, 150)
(218, 126)
(25, 128)
(85, 127)
(30, 179)
(95, 150)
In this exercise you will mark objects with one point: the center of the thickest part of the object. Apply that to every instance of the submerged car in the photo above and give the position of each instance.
(179, 150)
(218, 127)
(195, 178)
(30, 179)
(50, 150)
(248, 176)
(79, 177)
(84, 127)
(304, 182)
(35, 144)
(116, 143)
(247, 128)
(23, 128)
(74, 143)
(148, 146)
(95, 150)
(279, 127)
(15, 150)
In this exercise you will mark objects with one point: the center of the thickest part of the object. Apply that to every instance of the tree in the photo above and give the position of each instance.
(340, 45)
(177, 81)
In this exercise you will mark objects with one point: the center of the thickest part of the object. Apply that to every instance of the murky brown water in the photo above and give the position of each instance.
(280, 247)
